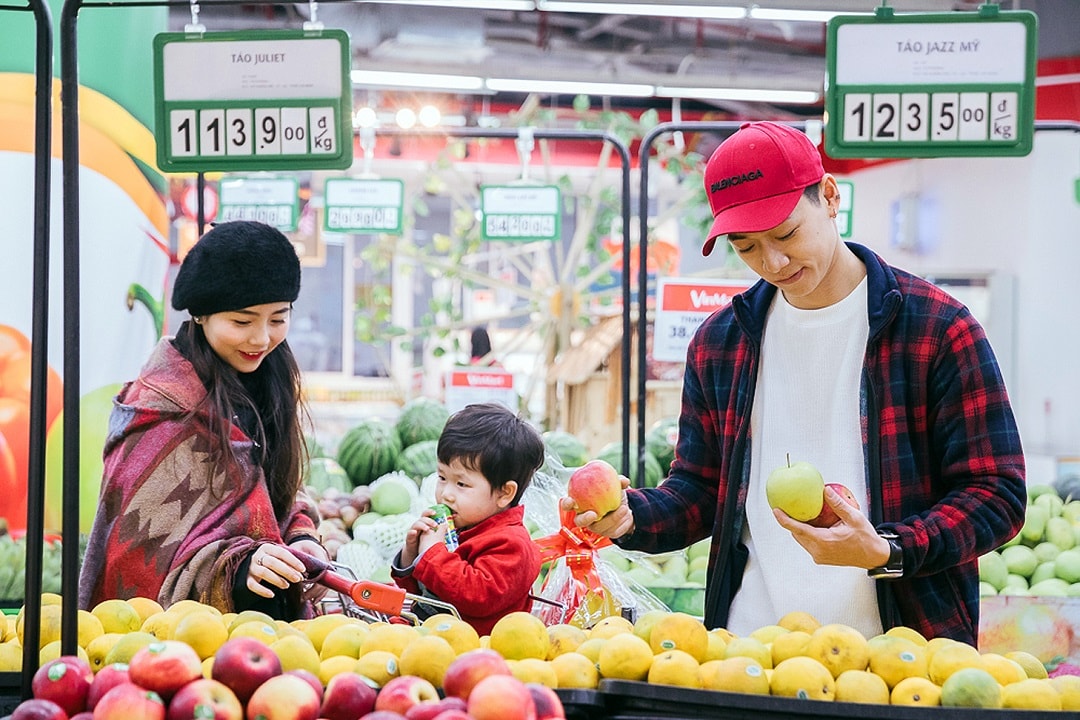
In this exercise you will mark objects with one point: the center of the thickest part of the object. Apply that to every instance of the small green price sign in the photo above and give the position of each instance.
(360, 205)
(844, 212)
(267, 200)
(930, 85)
(253, 100)
(520, 212)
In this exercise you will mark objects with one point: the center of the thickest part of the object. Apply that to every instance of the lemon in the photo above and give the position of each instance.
(98, 648)
(208, 668)
(574, 670)
(1031, 694)
(950, 658)
(907, 633)
(751, 648)
(162, 625)
(1033, 667)
(284, 628)
(50, 625)
(461, 635)
(345, 639)
(644, 624)
(610, 626)
(861, 686)
(1068, 687)
(261, 631)
(531, 670)
(51, 651)
(336, 665)
(915, 691)
(679, 631)
(126, 646)
(768, 633)
(591, 648)
(10, 657)
(89, 627)
(790, 644)
(564, 638)
(839, 647)
(717, 646)
(317, 628)
(625, 657)
(379, 666)
(519, 635)
(117, 616)
(182, 607)
(391, 638)
(799, 620)
(249, 616)
(203, 631)
(804, 678)
(296, 653)
(675, 667)
(894, 658)
(427, 657)
(735, 674)
(1004, 670)
(145, 606)
(971, 687)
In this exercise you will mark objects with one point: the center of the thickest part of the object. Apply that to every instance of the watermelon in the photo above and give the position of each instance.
(612, 453)
(570, 450)
(421, 419)
(323, 473)
(369, 450)
(419, 459)
(660, 441)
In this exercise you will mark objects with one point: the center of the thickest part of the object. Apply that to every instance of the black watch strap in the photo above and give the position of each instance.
(894, 566)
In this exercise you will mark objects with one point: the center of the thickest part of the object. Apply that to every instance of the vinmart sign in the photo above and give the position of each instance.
(681, 306)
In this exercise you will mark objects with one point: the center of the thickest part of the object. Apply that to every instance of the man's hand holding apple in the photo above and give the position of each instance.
(613, 524)
(852, 541)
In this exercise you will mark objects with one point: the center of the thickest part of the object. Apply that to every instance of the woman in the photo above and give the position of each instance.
(202, 483)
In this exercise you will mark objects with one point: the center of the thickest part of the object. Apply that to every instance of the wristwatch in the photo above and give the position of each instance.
(894, 566)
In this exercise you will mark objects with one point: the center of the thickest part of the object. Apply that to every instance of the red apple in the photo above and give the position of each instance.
(384, 715)
(312, 679)
(501, 697)
(127, 701)
(283, 697)
(105, 680)
(205, 699)
(595, 486)
(347, 697)
(38, 709)
(469, 668)
(66, 681)
(453, 714)
(828, 517)
(243, 664)
(548, 704)
(85, 715)
(165, 667)
(401, 693)
(432, 710)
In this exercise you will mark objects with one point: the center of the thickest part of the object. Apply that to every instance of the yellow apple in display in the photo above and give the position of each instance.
(796, 488)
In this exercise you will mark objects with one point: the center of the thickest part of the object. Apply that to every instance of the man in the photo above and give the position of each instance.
(876, 377)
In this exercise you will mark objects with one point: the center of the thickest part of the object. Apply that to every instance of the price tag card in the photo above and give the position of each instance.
(267, 200)
(682, 305)
(465, 386)
(520, 212)
(930, 85)
(364, 205)
(253, 100)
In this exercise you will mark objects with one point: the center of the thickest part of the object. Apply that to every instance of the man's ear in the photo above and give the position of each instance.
(505, 494)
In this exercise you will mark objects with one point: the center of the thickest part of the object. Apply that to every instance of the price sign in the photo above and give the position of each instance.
(520, 212)
(843, 213)
(467, 385)
(681, 306)
(253, 100)
(363, 205)
(930, 85)
(267, 200)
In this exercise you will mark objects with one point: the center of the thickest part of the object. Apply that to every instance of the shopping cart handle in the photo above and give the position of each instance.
(314, 567)
(368, 594)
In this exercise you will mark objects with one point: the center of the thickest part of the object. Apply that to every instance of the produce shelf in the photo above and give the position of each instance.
(582, 704)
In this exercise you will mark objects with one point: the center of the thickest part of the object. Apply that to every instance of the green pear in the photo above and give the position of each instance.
(1034, 524)
(986, 589)
(1067, 565)
(1074, 590)
(1020, 559)
(701, 548)
(1038, 490)
(992, 570)
(1052, 502)
(1047, 550)
(1071, 511)
(1059, 531)
(1050, 587)
(1044, 571)
(1015, 581)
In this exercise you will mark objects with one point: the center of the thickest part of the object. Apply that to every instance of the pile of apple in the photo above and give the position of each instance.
(165, 681)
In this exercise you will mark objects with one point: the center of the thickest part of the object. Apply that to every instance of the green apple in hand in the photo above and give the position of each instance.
(796, 488)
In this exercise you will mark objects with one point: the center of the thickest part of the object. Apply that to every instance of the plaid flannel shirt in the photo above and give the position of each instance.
(943, 460)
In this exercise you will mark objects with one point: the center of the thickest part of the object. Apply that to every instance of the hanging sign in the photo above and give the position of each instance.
(465, 386)
(520, 212)
(253, 100)
(361, 205)
(267, 200)
(930, 85)
(682, 305)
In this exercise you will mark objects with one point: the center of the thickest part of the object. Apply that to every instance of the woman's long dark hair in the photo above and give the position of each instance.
(269, 399)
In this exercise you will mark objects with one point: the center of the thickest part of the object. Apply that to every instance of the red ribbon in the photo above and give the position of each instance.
(577, 546)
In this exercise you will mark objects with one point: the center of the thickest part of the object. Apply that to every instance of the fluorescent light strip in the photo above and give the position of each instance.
(779, 15)
(562, 87)
(465, 83)
(710, 12)
(520, 5)
(794, 97)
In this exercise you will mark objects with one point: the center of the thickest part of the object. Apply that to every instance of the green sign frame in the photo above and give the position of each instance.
(845, 215)
(364, 205)
(271, 200)
(520, 213)
(930, 85)
(253, 100)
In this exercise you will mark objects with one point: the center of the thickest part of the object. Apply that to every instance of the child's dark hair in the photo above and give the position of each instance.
(491, 439)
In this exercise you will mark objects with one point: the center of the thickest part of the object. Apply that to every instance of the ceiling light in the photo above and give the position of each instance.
(710, 12)
(780, 15)
(783, 97)
(429, 116)
(434, 81)
(405, 118)
(569, 87)
(522, 5)
(365, 117)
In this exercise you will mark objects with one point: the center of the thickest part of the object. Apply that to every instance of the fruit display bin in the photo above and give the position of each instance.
(1047, 627)
(626, 699)
(10, 692)
(579, 704)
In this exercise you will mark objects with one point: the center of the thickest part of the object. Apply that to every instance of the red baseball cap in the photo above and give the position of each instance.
(755, 177)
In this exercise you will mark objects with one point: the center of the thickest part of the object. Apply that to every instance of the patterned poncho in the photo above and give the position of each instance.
(170, 525)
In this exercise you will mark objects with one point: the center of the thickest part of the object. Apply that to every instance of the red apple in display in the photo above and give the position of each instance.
(432, 710)
(310, 677)
(66, 681)
(501, 697)
(453, 715)
(243, 664)
(595, 486)
(165, 667)
(127, 701)
(401, 693)
(85, 715)
(469, 668)
(105, 680)
(548, 704)
(283, 697)
(205, 699)
(828, 517)
(38, 709)
(384, 715)
(347, 697)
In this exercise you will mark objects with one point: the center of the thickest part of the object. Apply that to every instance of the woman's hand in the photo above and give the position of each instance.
(273, 564)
